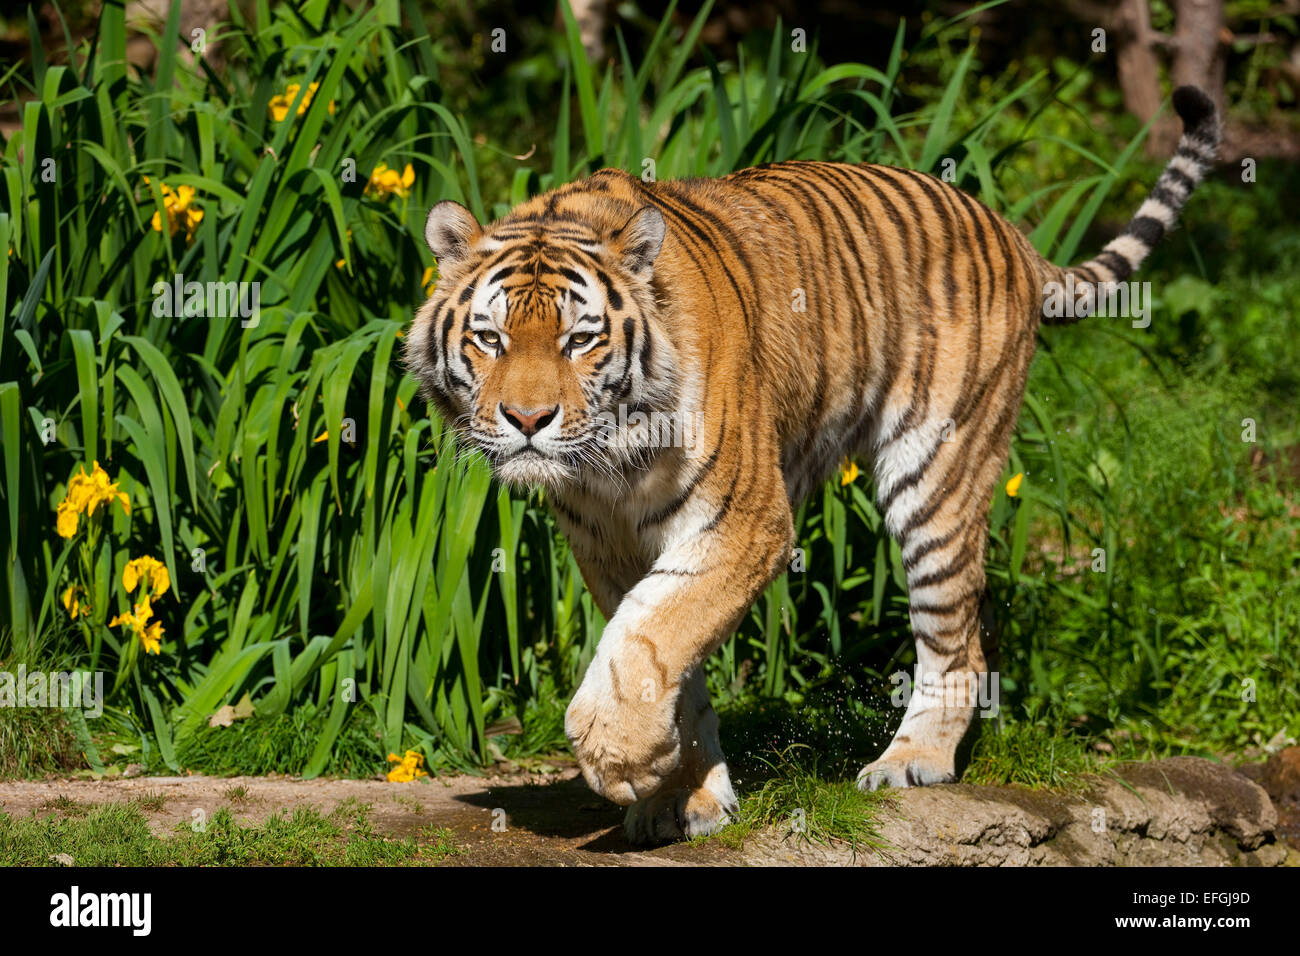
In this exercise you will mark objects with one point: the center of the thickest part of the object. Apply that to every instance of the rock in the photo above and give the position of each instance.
(1183, 811)
(1280, 778)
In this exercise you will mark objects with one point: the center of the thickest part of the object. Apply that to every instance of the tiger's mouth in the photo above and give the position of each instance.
(529, 467)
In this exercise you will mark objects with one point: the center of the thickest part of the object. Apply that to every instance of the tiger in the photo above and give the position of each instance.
(796, 314)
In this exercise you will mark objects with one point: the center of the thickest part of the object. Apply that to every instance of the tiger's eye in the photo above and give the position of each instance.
(491, 339)
(580, 339)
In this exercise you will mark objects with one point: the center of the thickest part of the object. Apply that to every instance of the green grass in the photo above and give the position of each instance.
(1187, 639)
(798, 802)
(1031, 754)
(66, 805)
(35, 742)
(118, 834)
(283, 744)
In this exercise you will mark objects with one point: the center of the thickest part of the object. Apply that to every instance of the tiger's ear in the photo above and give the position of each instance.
(641, 238)
(449, 230)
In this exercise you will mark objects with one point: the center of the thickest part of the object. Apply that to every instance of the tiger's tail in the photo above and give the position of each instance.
(1194, 157)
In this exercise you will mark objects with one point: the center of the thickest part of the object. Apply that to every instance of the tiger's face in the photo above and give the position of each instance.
(539, 340)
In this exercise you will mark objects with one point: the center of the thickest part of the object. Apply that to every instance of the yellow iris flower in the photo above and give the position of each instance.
(85, 494)
(181, 212)
(408, 767)
(385, 182)
(150, 575)
(279, 105)
(1013, 485)
(848, 472)
(137, 619)
(73, 604)
(149, 570)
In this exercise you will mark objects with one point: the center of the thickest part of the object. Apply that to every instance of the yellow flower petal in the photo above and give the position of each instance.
(849, 471)
(151, 638)
(162, 580)
(1013, 485)
(66, 522)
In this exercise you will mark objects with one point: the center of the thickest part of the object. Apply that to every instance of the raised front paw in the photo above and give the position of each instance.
(621, 724)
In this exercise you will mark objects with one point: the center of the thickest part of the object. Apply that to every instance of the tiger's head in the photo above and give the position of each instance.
(543, 336)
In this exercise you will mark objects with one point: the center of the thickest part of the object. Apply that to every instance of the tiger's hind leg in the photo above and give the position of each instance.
(698, 799)
(935, 486)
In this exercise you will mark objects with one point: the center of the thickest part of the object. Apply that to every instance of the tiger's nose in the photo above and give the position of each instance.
(529, 423)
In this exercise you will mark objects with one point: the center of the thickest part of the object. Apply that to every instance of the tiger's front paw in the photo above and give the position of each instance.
(622, 723)
(680, 813)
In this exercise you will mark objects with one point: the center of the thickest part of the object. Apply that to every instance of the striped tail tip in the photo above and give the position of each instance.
(1192, 160)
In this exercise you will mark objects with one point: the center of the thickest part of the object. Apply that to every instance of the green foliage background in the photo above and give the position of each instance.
(379, 593)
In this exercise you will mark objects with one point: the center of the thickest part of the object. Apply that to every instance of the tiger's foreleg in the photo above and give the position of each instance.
(697, 798)
(641, 722)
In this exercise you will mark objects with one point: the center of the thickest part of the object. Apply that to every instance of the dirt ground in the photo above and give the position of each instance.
(1178, 811)
(518, 819)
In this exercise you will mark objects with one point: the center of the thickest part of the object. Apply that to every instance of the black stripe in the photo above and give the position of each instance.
(1166, 196)
(647, 349)
(933, 544)
(611, 294)
(1180, 177)
(1146, 228)
(663, 514)
(909, 480)
(1116, 263)
(949, 571)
